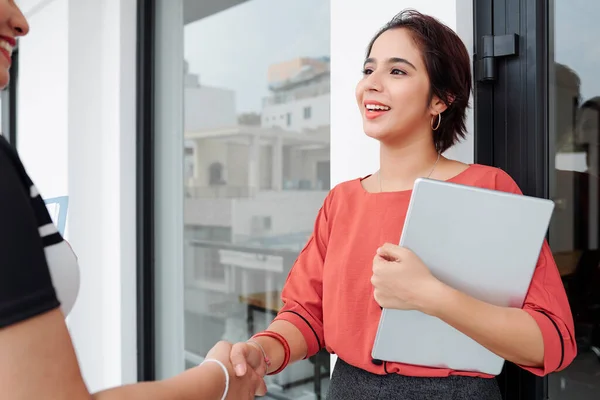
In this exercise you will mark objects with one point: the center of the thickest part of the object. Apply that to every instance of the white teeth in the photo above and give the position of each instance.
(4, 45)
(374, 107)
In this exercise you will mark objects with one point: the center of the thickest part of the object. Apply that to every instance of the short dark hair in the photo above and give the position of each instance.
(448, 67)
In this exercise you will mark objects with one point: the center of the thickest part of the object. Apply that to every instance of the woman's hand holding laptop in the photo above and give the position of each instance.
(402, 281)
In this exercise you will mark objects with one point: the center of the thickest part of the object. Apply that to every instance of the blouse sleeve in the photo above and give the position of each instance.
(547, 303)
(302, 293)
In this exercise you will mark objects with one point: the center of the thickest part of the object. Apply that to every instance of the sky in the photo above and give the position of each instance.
(576, 33)
(234, 48)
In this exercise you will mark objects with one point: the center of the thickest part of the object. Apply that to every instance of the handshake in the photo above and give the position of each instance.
(242, 367)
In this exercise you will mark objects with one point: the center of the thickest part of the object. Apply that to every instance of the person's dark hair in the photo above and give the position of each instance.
(448, 67)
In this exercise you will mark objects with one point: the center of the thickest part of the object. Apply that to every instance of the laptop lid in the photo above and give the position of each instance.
(483, 242)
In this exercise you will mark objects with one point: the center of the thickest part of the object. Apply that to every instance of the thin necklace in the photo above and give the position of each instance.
(430, 172)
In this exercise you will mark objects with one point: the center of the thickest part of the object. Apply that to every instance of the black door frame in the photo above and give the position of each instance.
(146, 355)
(511, 117)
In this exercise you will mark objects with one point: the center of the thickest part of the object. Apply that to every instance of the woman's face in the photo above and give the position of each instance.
(393, 94)
(12, 25)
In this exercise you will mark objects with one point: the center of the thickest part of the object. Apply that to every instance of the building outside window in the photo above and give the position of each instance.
(254, 174)
(307, 112)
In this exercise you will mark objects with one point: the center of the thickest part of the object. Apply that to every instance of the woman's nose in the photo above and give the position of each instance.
(373, 83)
(18, 22)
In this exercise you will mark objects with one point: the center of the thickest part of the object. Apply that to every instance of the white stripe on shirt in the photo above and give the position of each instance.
(33, 191)
(48, 229)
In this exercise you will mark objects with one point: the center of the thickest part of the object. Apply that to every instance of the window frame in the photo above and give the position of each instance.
(511, 115)
(146, 329)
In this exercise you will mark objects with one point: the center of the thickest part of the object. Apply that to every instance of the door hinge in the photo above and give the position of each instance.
(491, 47)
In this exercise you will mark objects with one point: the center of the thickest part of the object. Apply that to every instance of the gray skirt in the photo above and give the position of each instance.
(351, 383)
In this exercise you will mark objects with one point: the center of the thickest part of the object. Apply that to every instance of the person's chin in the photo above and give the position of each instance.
(375, 132)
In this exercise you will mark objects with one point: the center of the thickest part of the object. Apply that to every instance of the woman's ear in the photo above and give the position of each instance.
(438, 106)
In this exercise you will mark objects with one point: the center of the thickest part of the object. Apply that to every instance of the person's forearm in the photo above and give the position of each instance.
(210, 385)
(275, 350)
(510, 333)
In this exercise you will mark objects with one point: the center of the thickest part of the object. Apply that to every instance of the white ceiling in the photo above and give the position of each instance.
(193, 10)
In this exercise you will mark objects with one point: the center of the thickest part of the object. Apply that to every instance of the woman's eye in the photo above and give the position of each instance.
(396, 71)
(367, 71)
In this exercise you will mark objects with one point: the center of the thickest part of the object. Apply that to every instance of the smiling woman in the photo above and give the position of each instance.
(444, 86)
(413, 98)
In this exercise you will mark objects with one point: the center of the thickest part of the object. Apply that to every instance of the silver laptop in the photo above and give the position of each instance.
(482, 242)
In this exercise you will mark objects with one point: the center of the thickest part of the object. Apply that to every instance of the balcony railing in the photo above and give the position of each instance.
(219, 191)
(208, 244)
(244, 192)
(249, 257)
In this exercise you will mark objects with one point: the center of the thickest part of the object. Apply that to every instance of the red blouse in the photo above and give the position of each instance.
(328, 295)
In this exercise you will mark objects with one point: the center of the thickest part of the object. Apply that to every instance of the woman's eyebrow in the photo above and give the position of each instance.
(391, 60)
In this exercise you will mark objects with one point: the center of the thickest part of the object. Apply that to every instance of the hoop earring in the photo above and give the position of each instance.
(439, 121)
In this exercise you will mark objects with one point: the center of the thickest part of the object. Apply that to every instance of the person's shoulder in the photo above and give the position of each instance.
(6, 149)
(8, 156)
(343, 192)
(493, 178)
(9, 153)
(9, 159)
(347, 188)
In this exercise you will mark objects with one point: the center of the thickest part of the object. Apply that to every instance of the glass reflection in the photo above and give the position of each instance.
(575, 187)
(256, 165)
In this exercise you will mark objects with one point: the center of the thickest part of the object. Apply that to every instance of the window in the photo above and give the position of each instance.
(239, 182)
(549, 144)
(307, 112)
(574, 137)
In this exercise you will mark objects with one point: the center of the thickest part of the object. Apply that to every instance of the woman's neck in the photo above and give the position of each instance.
(401, 165)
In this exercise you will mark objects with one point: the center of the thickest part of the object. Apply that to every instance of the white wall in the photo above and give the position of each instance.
(42, 100)
(76, 136)
(353, 154)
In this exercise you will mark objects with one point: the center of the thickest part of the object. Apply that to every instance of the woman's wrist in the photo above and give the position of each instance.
(206, 381)
(224, 372)
(435, 296)
(263, 354)
(273, 349)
